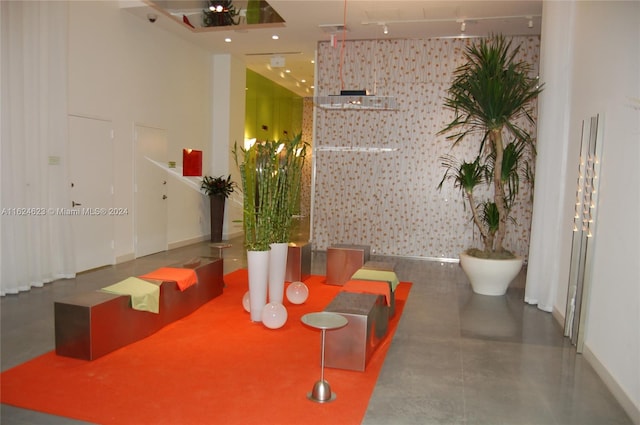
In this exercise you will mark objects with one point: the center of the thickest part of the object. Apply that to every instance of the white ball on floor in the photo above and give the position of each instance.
(246, 303)
(274, 315)
(297, 292)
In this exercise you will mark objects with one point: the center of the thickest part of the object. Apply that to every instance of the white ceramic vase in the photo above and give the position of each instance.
(258, 268)
(488, 276)
(277, 270)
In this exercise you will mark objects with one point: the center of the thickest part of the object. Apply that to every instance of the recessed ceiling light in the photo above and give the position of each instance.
(275, 36)
(227, 40)
(303, 81)
(287, 71)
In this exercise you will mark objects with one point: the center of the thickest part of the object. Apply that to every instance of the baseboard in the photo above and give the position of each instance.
(559, 316)
(191, 241)
(627, 404)
(178, 244)
(126, 257)
(232, 235)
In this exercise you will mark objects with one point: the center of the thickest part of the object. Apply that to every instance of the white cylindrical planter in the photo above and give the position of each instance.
(277, 270)
(488, 276)
(258, 268)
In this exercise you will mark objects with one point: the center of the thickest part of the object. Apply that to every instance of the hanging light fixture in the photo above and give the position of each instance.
(349, 98)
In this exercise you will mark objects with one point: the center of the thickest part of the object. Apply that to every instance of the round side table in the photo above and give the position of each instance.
(324, 321)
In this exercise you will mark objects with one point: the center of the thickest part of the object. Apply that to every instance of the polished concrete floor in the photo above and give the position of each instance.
(456, 357)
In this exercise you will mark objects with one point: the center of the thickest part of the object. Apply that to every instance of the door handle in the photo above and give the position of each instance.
(75, 204)
(164, 196)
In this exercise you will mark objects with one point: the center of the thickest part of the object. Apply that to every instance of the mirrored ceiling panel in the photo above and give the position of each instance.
(202, 15)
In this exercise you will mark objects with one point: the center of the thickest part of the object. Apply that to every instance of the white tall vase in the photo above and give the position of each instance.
(258, 268)
(277, 271)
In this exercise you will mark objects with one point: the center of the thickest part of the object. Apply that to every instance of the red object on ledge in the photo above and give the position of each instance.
(191, 162)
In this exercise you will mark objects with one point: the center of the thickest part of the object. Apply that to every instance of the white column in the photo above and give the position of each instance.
(227, 127)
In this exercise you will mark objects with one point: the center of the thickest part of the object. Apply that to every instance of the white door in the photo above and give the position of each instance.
(150, 190)
(91, 188)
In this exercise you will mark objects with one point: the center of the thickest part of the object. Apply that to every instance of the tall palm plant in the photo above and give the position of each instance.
(490, 95)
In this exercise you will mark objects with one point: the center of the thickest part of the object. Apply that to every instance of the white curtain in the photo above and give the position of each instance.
(36, 238)
(549, 223)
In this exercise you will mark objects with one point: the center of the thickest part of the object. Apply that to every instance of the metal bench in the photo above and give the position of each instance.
(90, 325)
(343, 260)
(368, 320)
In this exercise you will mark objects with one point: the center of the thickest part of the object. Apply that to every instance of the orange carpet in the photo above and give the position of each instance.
(212, 367)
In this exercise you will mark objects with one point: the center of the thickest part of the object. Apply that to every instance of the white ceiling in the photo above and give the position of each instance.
(309, 21)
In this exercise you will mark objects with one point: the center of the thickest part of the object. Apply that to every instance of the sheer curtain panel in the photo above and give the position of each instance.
(36, 236)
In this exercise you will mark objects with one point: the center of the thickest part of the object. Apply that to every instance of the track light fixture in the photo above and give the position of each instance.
(529, 19)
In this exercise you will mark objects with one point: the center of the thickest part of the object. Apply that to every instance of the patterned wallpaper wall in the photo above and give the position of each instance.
(377, 172)
(307, 136)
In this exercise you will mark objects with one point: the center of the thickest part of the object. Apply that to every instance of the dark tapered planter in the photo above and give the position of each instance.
(217, 217)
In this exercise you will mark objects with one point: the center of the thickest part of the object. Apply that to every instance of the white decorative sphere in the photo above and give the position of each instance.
(297, 292)
(246, 303)
(274, 315)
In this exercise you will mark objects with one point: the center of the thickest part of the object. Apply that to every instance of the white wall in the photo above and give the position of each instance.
(603, 72)
(607, 82)
(125, 69)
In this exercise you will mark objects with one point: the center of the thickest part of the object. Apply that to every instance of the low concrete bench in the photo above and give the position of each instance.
(351, 347)
(90, 325)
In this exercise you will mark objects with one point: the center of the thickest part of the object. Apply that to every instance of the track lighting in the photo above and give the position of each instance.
(529, 19)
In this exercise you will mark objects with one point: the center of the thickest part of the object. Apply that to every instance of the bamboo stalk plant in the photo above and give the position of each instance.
(271, 181)
(292, 155)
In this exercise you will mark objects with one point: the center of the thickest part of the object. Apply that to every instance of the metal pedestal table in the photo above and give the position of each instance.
(324, 321)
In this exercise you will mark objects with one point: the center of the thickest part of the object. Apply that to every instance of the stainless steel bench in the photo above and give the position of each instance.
(90, 325)
(368, 319)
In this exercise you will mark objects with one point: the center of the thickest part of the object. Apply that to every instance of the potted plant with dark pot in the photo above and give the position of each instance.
(492, 96)
(218, 189)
